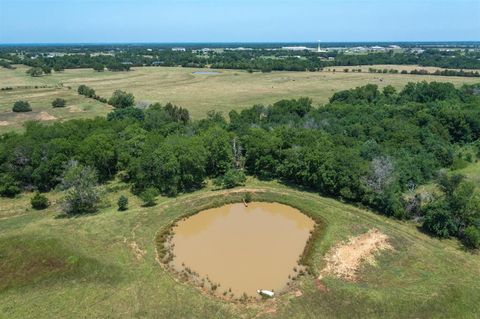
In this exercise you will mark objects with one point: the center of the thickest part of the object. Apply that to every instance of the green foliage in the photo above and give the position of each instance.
(148, 196)
(218, 144)
(8, 186)
(39, 201)
(117, 67)
(21, 106)
(59, 102)
(58, 68)
(232, 178)
(35, 72)
(122, 99)
(98, 151)
(79, 183)
(456, 211)
(122, 203)
(459, 163)
(46, 69)
(172, 166)
(423, 92)
(126, 113)
(86, 91)
(471, 237)
(368, 147)
(248, 197)
(368, 93)
(439, 220)
(99, 67)
(389, 91)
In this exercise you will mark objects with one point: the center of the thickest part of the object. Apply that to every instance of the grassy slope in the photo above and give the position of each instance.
(86, 267)
(233, 89)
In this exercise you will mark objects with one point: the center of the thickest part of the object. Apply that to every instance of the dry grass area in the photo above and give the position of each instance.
(231, 89)
(345, 259)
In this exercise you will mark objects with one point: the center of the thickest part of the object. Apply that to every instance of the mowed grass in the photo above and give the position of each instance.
(104, 265)
(231, 89)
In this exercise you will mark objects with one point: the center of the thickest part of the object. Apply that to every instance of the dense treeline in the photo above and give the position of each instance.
(366, 146)
(258, 59)
(471, 74)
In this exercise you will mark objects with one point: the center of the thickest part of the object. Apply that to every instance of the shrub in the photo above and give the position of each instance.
(439, 220)
(86, 91)
(459, 163)
(121, 99)
(99, 67)
(21, 106)
(8, 186)
(58, 102)
(80, 185)
(248, 197)
(35, 72)
(39, 201)
(126, 113)
(471, 237)
(122, 203)
(231, 179)
(148, 196)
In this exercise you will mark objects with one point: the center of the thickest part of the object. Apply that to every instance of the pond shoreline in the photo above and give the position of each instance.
(189, 276)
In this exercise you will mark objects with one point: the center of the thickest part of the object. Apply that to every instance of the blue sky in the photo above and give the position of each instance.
(55, 21)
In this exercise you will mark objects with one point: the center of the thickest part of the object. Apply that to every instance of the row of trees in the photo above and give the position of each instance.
(366, 146)
(90, 93)
(258, 59)
(474, 74)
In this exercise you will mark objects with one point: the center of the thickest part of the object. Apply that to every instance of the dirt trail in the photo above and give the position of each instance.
(345, 259)
(44, 116)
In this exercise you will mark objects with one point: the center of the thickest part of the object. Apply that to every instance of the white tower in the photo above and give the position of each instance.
(318, 50)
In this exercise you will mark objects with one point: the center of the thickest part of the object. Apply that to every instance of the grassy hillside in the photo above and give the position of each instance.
(104, 265)
(232, 89)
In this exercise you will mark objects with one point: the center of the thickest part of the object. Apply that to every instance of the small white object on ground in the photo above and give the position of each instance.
(266, 293)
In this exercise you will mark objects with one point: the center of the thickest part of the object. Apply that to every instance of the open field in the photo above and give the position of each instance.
(232, 89)
(104, 265)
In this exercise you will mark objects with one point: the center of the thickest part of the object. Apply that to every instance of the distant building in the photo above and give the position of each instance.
(359, 49)
(295, 48)
(377, 48)
(417, 50)
(179, 49)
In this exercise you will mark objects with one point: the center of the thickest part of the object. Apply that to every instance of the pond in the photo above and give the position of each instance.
(206, 73)
(239, 250)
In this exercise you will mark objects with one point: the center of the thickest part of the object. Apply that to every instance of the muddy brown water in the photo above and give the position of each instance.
(243, 248)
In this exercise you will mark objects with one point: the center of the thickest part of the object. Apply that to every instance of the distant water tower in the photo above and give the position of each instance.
(318, 49)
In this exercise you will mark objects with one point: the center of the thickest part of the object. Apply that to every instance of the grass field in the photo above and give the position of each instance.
(232, 89)
(104, 265)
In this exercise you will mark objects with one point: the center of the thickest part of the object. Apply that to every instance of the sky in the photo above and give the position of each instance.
(103, 21)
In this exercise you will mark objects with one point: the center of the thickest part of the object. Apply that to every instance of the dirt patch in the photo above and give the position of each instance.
(137, 251)
(44, 116)
(320, 286)
(74, 109)
(4, 123)
(345, 259)
(268, 308)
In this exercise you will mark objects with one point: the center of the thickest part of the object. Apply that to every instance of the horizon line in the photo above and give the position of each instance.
(234, 42)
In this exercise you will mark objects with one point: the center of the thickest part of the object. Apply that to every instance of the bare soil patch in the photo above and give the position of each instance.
(44, 116)
(345, 259)
(4, 123)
